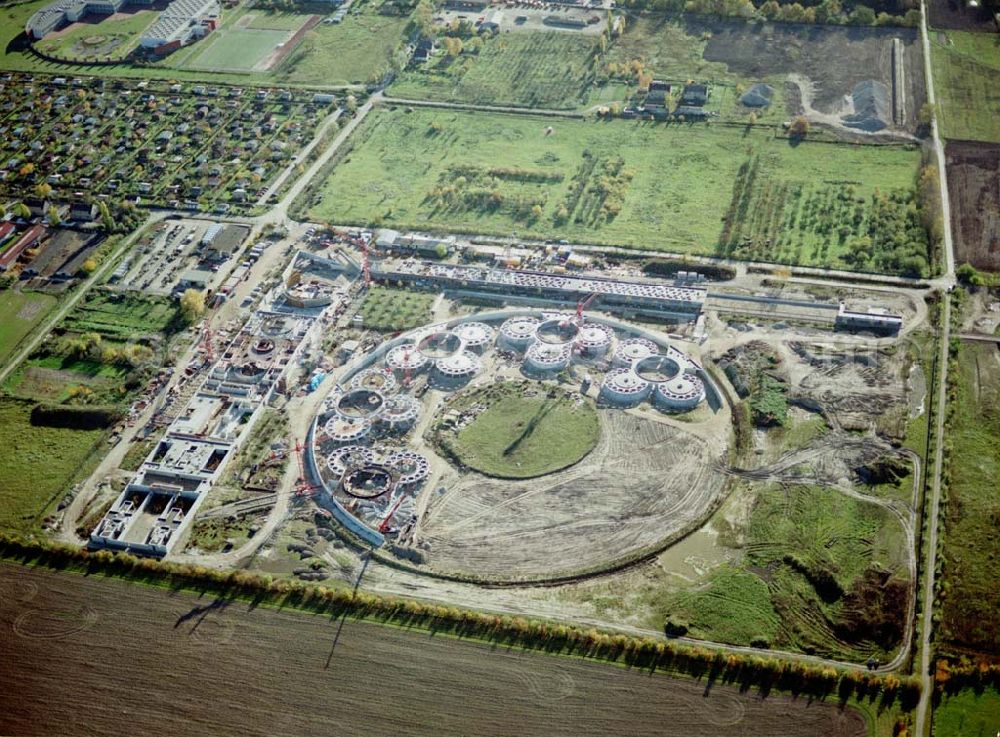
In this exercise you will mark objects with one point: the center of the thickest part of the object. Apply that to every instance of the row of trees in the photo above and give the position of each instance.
(764, 673)
(873, 13)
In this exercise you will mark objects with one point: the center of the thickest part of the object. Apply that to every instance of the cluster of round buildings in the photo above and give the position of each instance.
(358, 433)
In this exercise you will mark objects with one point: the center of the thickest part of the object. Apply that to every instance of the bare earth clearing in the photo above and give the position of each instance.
(643, 483)
(974, 184)
(90, 656)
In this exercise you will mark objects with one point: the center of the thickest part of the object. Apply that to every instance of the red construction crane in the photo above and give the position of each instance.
(208, 339)
(366, 263)
(302, 485)
(407, 371)
(384, 527)
(582, 305)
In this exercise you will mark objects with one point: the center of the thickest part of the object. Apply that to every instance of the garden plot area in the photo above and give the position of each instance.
(538, 69)
(171, 144)
(966, 66)
(678, 187)
(974, 191)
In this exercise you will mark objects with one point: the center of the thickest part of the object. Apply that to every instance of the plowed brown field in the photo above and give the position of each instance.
(82, 656)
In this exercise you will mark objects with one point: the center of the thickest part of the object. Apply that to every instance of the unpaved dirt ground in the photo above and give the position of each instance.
(956, 14)
(89, 656)
(643, 483)
(974, 190)
(834, 59)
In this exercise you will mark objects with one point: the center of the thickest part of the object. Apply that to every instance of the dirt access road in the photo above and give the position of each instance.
(93, 656)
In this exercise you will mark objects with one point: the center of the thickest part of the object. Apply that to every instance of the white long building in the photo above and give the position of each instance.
(180, 21)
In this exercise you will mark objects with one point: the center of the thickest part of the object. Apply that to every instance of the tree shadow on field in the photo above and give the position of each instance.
(343, 617)
(199, 613)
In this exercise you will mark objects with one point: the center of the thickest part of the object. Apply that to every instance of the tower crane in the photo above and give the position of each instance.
(302, 485)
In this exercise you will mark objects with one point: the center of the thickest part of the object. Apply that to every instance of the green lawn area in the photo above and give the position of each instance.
(525, 432)
(20, 312)
(968, 714)
(648, 185)
(39, 465)
(395, 309)
(109, 38)
(358, 50)
(236, 49)
(541, 69)
(965, 79)
(970, 613)
(820, 573)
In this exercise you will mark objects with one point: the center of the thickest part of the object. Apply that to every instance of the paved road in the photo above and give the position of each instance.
(279, 213)
(487, 108)
(302, 156)
(43, 330)
(949, 249)
(931, 542)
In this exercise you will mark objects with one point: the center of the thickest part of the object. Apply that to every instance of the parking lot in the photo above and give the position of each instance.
(161, 263)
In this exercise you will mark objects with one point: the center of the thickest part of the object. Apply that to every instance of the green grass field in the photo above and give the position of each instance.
(237, 49)
(648, 185)
(358, 50)
(531, 69)
(968, 714)
(20, 312)
(39, 465)
(965, 75)
(970, 613)
(525, 432)
(112, 39)
(812, 578)
(395, 309)
(274, 20)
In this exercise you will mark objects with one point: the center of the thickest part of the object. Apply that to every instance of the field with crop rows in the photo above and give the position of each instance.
(309, 672)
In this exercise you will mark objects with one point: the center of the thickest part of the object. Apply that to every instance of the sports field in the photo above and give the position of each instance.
(661, 187)
(237, 49)
(966, 68)
(287, 672)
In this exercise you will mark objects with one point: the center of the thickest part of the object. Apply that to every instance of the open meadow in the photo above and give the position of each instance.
(358, 50)
(966, 67)
(388, 309)
(39, 465)
(968, 714)
(970, 600)
(688, 188)
(309, 672)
